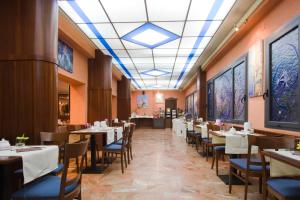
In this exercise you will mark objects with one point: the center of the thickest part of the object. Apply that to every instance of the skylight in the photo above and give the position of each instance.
(153, 42)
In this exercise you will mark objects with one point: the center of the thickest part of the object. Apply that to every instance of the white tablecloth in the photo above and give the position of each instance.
(179, 127)
(36, 163)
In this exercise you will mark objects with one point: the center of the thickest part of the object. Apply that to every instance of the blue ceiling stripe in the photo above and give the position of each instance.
(211, 15)
(86, 20)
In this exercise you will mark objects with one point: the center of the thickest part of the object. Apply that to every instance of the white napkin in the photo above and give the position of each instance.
(103, 124)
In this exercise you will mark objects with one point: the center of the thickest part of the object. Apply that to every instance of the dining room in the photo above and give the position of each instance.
(149, 99)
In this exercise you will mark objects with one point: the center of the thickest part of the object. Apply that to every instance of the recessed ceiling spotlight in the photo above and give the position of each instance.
(236, 28)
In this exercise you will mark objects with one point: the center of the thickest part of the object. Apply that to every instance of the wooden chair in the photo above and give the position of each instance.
(283, 188)
(62, 129)
(207, 142)
(56, 187)
(114, 148)
(251, 167)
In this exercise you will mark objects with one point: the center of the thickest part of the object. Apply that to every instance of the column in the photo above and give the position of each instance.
(201, 92)
(124, 99)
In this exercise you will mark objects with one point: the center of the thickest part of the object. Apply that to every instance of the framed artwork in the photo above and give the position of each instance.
(210, 99)
(240, 90)
(65, 56)
(223, 96)
(282, 78)
(255, 69)
(142, 101)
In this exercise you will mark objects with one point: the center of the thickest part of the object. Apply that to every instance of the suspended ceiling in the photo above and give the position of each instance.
(153, 42)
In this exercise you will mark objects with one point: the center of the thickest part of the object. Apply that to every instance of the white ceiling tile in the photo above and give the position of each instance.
(125, 11)
(163, 60)
(200, 9)
(126, 61)
(164, 65)
(121, 53)
(93, 10)
(174, 27)
(124, 28)
(197, 28)
(142, 60)
(180, 60)
(186, 52)
(164, 52)
(189, 42)
(167, 10)
(113, 44)
(142, 53)
(85, 28)
(106, 30)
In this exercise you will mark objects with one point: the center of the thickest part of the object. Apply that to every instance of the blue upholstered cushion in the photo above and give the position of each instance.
(289, 188)
(113, 147)
(44, 188)
(242, 163)
(219, 148)
(59, 169)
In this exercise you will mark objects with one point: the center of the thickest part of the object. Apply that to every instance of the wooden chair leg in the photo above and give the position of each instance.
(260, 185)
(131, 152)
(246, 186)
(207, 151)
(122, 166)
(230, 179)
(213, 159)
(103, 156)
(125, 159)
(128, 158)
(217, 162)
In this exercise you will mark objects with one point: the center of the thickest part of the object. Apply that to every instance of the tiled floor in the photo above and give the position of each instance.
(163, 167)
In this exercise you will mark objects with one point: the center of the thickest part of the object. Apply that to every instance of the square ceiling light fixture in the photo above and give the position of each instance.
(150, 36)
(155, 72)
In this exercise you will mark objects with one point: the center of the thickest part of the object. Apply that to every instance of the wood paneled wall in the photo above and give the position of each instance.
(201, 92)
(28, 70)
(124, 99)
(99, 87)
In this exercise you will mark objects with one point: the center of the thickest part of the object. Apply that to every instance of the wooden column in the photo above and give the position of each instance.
(99, 87)
(124, 99)
(28, 69)
(201, 92)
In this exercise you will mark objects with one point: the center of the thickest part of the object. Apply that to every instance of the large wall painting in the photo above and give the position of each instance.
(255, 69)
(239, 84)
(142, 101)
(210, 100)
(65, 56)
(195, 99)
(223, 96)
(284, 55)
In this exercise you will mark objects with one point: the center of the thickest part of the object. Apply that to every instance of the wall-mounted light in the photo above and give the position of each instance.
(159, 97)
(236, 28)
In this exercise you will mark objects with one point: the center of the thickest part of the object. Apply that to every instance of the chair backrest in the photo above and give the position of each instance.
(50, 138)
(212, 127)
(62, 129)
(72, 151)
(125, 137)
(118, 124)
(132, 128)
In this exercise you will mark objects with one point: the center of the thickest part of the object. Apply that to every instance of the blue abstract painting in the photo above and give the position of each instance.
(284, 78)
(239, 85)
(65, 56)
(210, 100)
(223, 89)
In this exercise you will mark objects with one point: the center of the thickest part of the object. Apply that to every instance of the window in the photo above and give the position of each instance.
(282, 78)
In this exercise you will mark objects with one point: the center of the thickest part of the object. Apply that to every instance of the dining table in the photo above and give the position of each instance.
(25, 163)
(283, 163)
(93, 131)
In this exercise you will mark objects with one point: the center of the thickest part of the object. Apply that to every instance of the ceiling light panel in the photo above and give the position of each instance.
(125, 11)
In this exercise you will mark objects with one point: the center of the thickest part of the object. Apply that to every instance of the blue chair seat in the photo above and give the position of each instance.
(119, 142)
(47, 187)
(288, 188)
(206, 140)
(113, 147)
(219, 148)
(242, 163)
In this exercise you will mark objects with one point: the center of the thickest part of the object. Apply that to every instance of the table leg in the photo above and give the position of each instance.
(93, 169)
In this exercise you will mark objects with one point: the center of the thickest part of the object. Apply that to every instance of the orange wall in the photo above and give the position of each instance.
(279, 16)
(192, 87)
(151, 98)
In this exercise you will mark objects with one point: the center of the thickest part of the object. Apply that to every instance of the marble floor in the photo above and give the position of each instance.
(163, 167)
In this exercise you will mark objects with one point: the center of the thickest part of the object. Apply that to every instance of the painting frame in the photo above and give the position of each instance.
(64, 56)
(276, 36)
